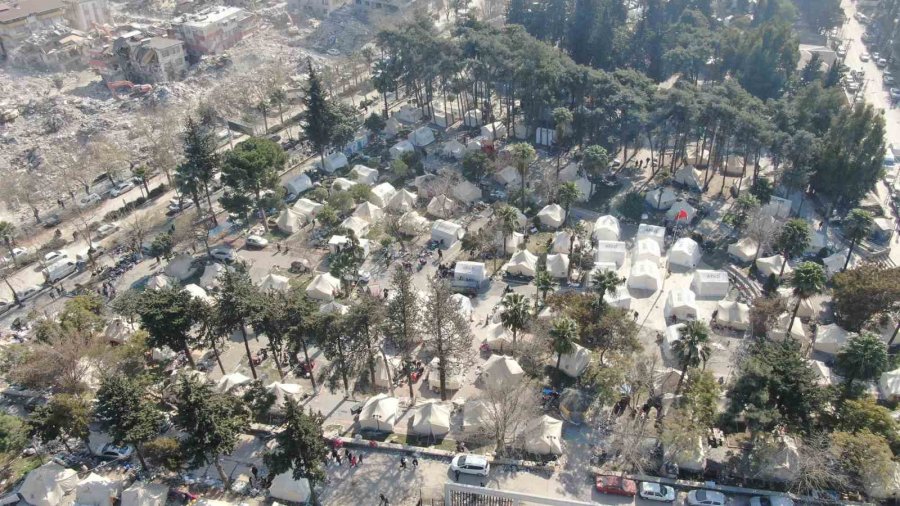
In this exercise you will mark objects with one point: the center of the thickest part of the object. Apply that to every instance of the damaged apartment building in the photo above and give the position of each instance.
(213, 30)
(50, 33)
(142, 59)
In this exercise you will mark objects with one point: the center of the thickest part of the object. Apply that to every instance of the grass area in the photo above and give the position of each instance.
(16, 468)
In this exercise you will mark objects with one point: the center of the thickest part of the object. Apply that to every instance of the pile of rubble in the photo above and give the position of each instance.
(344, 32)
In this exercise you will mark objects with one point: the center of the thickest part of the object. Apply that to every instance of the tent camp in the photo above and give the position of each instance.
(369, 212)
(431, 418)
(159, 281)
(889, 384)
(441, 207)
(585, 189)
(211, 274)
(709, 284)
(620, 298)
(386, 370)
(610, 251)
(552, 216)
(232, 381)
(647, 231)
(289, 222)
(469, 275)
(454, 149)
(499, 338)
(342, 184)
(392, 127)
(421, 137)
(359, 226)
(681, 212)
(681, 304)
(402, 201)
(771, 265)
(307, 209)
(429, 185)
(809, 307)
(835, 263)
(672, 334)
(501, 370)
(145, 494)
(508, 176)
(198, 293)
(830, 338)
(401, 148)
(466, 192)
(744, 250)
(181, 267)
(558, 265)
(522, 263)
(298, 184)
(323, 287)
(475, 144)
(779, 331)
(574, 364)
(735, 166)
(734, 315)
(412, 223)
(464, 303)
(283, 392)
(475, 415)
(473, 118)
(783, 463)
(562, 241)
(454, 378)
(46, 485)
(606, 228)
(382, 194)
(285, 488)
(689, 177)
(364, 175)
(645, 276)
(660, 198)
(334, 161)
(446, 233)
(646, 250)
(685, 253)
(408, 114)
(379, 413)
(826, 375)
(96, 490)
(543, 436)
(493, 131)
(274, 282)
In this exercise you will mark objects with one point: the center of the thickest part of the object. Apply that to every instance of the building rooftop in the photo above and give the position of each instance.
(207, 16)
(16, 10)
(162, 43)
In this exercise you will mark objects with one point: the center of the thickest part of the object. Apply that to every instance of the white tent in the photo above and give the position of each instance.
(584, 189)
(382, 194)
(333, 307)
(429, 185)
(499, 338)
(647, 231)
(323, 287)
(464, 303)
(408, 114)
(645, 276)
(731, 314)
(681, 212)
(369, 212)
(474, 144)
(46, 485)
(454, 149)
(431, 418)
(285, 391)
(513, 240)
(835, 262)
(466, 192)
(392, 126)
(335, 161)
(562, 241)
(744, 250)
(145, 494)
(307, 209)
(610, 251)
(454, 379)
(621, 298)
(180, 267)
(558, 265)
(685, 253)
(508, 176)
(827, 377)
(289, 222)
(441, 207)
(198, 293)
(421, 137)
(830, 338)
(809, 307)
(402, 201)
(522, 263)
(552, 215)
(889, 384)
(447, 233)
(493, 131)
(342, 184)
(285, 488)
(298, 184)
(386, 371)
(661, 198)
(157, 282)
(710, 284)
(412, 223)
(784, 462)
(96, 490)
(162, 354)
(691, 458)
(364, 175)
(781, 325)
(475, 415)
(574, 364)
(672, 334)
(379, 413)
(607, 228)
(359, 226)
(689, 177)
(646, 250)
(502, 370)
(771, 265)
(734, 166)
(401, 148)
(470, 272)
(682, 304)
(778, 207)
(473, 118)
(274, 282)
(231, 381)
(543, 436)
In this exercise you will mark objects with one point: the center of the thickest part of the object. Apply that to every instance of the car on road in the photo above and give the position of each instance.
(895, 93)
(888, 79)
(223, 253)
(864, 57)
(113, 452)
(470, 464)
(52, 221)
(106, 229)
(706, 498)
(89, 200)
(29, 292)
(656, 492)
(19, 252)
(765, 500)
(53, 256)
(255, 241)
(615, 485)
(881, 63)
(176, 206)
(121, 188)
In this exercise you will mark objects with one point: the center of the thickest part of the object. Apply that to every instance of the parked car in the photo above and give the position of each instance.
(29, 292)
(5, 305)
(470, 464)
(106, 229)
(765, 500)
(706, 498)
(616, 485)
(888, 79)
(656, 492)
(255, 241)
(89, 200)
(864, 57)
(176, 206)
(113, 452)
(19, 252)
(54, 256)
(121, 188)
(52, 221)
(881, 63)
(223, 253)
(895, 93)
(59, 270)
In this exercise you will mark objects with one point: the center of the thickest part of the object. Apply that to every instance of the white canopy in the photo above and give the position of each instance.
(781, 325)
(46, 485)
(692, 458)
(382, 194)
(474, 272)
(682, 304)
(558, 265)
(672, 334)
(447, 232)
(158, 281)
(145, 494)
(584, 189)
(412, 223)
(465, 305)
(778, 207)
(606, 228)
(784, 463)
(421, 137)
(474, 144)
(830, 338)
(335, 161)
(889, 384)
(835, 262)
(826, 376)
(441, 207)
(466, 192)
(733, 314)
(285, 391)
(386, 371)
(508, 176)
(392, 126)
(475, 415)
(359, 226)
(562, 241)
(307, 209)
(231, 381)
(610, 251)
(502, 370)
(647, 231)
(453, 148)
(710, 284)
(401, 148)
(522, 263)
(771, 265)
(289, 222)
(364, 175)
(574, 364)
(285, 488)
(498, 338)
(323, 287)
(646, 250)
(552, 215)
(333, 307)
(645, 276)
(379, 413)
(408, 113)
(342, 184)
(514, 239)
(96, 490)
(744, 250)
(454, 379)
(180, 267)
(473, 118)
(663, 201)
(431, 418)
(685, 252)
(210, 277)
(298, 184)
(369, 212)
(402, 201)
(274, 282)
(543, 436)
(681, 212)
(620, 298)
(493, 131)
(198, 293)
(689, 177)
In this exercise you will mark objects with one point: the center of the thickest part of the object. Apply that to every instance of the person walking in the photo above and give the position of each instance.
(359, 461)
(382, 500)
(402, 462)
(352, 460)
(415, 462)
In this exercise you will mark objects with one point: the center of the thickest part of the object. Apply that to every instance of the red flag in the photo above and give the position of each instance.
(682, 215)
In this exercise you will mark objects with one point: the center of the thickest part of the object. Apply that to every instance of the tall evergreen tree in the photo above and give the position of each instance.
(403, 320)
(126, 412)
(447, 333)
(195, 174)
(252, 168)
(300, 448)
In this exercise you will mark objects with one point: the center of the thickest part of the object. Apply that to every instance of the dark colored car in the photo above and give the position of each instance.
(616, 485)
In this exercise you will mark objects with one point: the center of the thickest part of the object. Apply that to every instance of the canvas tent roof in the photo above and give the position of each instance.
(644, 276)
(473, 118)
(470, 271)
(231, 381)
(475, 415)
(333, 307)
(46, 485)
(780, 329)
(498, 338)
(285, 488)
(691, 458)
(359, 226)
(334, 161)
(285, 391)
(675, 212)
(412, 223)
(744, 250)
(574, 364)
(606, 228)
(180, 267)
(685, 252)
(391, 126)
(198, 293)
(672, 334)
(562, 241)
(610, 251)
(454, 148)
(298, 184)
(453, 380)
(784, 463)
(552, 215)
(771, 265)
(464, 303)
(211, 273)
(379, 413)
(513, 240)
(889, 384)
(421, 137)
(690, 177)
(158, 281)
(431, 419)
(386, 371)
(307, 209)
(682, 304)
(364, 175)
(323, 287)
(466, 192)
(558, 265)
(830, 338)
(660, 198)
(447, 231)
(493, 131)
(382, 194)
(584, 189)
(835, 262)
(145, 494)
(778, 207)
(408, 113)
(709, 283)
(342, 184)
(369, 212)
(543, 436)
(402, 201)
(732, 314)
(274, 282)
(508, 176)
(401, 148)
(502, 370)
(441, 207)
(96, 490)
(522, 263)
(647, 231)
(620, 298)
(646, 250)
(289, 221)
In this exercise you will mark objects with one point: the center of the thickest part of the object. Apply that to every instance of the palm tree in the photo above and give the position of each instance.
(508, 219)
(792, 240)
(7, 234)
(543, 282)
(562, 337)
(522, 154)
(567, 194)
(263, 107)
(809, 279)
(692, 348)
(515, 315)
(856, 228)
(864, 357)
(602, 283)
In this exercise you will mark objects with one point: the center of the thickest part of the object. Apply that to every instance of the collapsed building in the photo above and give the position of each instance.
(141, 59)
(25, 21)
(213, 30)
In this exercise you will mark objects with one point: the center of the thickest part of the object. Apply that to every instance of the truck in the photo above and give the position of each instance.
(59, 270)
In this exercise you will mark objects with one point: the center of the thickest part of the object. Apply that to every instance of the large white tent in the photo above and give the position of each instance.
(454, 378)
(402, 201)
(379, 413)
(610, 251)
(691, 457)
(779, 331)
(464, 303)
(513, 241)
(830, 338)
(645, 276)
(646, 250)
(210, 277)
(685, 253)
(431, 418)
(342, 184)
(522, 263)
(46, 485)
(145, 494)
(771, 265)
(499, 338)
(466, 192)
(681, 212)
(413, 223)
(732, 314)
(558, 265)
(369, 212)
(543, 436)
(493, 131)
(454, 149)
(307, 209)
(689, 177)
(441, 206)
(671, 334)
(473, 118)
(285, 488)
(607, 228)
(333, 307)
(501, 370)
(472, 274)
(381, 194)
(298, 184)
(401, 148)
(575, 363)
(889, 384)
(710, 284)
(783, 464)
(408, 113)
(475, 415)
(274, 282)
(334, 161)
(778, 207)
(181, 267)
(552, 215)
(323, 287)
(364, 175)
(289, 222)
(96, 490)
(835, 263)
(447, 233)
(744, 250)
(562, 242)
(620, 298)
(158, 282)
(647, 231)
(198, 293)
(508, 176)
(359, 226)
(232, 381)
(661, 198)
(284, 392)
(681, 304)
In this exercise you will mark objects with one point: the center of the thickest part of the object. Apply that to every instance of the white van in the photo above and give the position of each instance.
(59, 270)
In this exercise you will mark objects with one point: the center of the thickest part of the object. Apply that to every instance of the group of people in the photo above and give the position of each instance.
(353, 460)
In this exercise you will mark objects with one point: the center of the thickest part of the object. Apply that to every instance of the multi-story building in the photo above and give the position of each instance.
(214, 30)
(85, 15)
(21, 18)
(317, 7)
(149, 60)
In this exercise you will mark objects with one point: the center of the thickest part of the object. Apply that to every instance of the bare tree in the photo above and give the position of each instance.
(65, 363)
(161, 131)
(762, 227)
(447, 333)
(136, 230)
(506, 408)
(106, 156)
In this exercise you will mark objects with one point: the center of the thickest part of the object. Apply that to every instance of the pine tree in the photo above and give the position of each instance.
(300, 447)
(448, 335)
(403, 321)
(126, 412)
(318, 115)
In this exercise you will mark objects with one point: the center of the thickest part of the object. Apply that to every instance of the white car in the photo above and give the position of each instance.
(470, 464)
(18, 252)
(706, 498)
(656, 492)
(105, 230)
(121, 188)
(774, 500)
(864, 57)
(29, 292)
(255, 241)
(89, 200)
(53, 256)
(223, 253)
